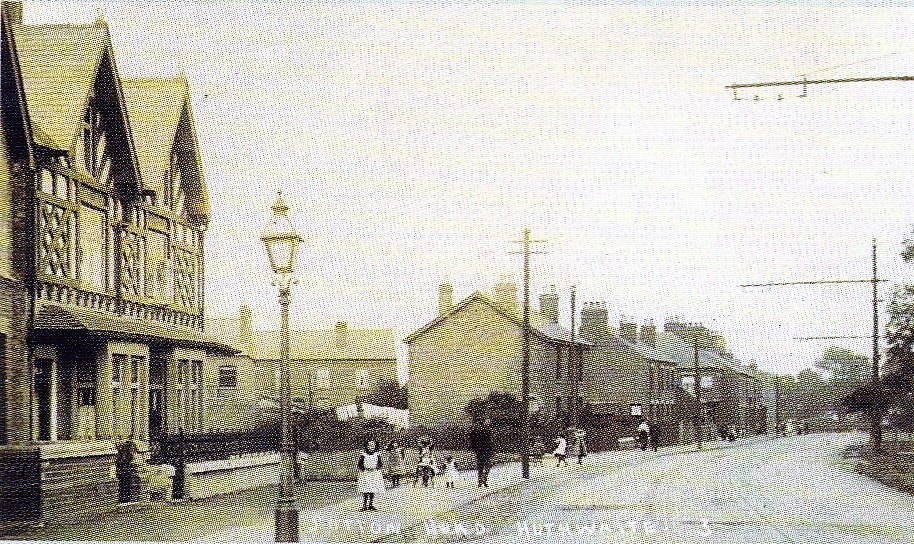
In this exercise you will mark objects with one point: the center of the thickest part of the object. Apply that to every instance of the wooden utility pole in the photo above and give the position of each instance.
(574, 368)
(777, 405)
(525, 360)
(876, 412)
(699, 413)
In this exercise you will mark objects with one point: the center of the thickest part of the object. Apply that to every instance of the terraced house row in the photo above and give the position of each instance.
(102, 234)
(616, 375)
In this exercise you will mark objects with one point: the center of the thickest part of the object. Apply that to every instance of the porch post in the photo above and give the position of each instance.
(104, 400)
(143, 401)
(52, 387)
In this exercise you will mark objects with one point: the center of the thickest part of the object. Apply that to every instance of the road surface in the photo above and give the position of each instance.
(792, 489)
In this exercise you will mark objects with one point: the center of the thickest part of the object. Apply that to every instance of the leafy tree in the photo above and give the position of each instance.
(389, 393)
(502, 408)
(843, 365)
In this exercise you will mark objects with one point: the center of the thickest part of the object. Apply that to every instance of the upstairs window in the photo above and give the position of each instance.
(174, 191)
(321, 377)
(92, 149)
(361, 378)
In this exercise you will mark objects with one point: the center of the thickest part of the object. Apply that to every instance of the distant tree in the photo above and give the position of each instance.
(846, 369)
(501, 407)
(843, 365)
(811, 394)
(389, 393)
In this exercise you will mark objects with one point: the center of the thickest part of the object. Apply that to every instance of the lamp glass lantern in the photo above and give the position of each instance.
(281, 239)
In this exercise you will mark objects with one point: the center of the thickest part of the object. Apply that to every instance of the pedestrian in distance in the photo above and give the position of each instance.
(427, 467)
(371, 480)
(580, 436)
(537, 450)
(450, 475)
(643, 431)
(655, 436)
(481, 444)
(396, 463)
(561, 450)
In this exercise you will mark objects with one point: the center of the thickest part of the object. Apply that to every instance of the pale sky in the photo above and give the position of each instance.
(415, 141)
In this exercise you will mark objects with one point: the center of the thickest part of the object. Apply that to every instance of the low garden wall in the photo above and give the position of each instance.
(208, 478)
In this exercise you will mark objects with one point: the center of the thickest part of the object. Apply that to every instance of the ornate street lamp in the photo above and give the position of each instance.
(281, 241)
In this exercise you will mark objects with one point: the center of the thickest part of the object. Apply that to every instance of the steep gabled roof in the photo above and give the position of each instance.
(59, 65)
(154, 106)
(16, 118)
(539, 326)
(323, 345)
(160, 112)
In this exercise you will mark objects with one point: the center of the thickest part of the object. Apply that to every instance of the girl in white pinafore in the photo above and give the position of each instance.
(371, 479)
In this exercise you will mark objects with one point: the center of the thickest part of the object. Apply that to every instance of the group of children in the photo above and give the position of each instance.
(371, 469)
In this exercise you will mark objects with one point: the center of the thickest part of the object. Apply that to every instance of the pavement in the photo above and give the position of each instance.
(756, 490)
(407, 512)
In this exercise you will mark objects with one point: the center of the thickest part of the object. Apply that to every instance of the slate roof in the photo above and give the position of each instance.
(304, 345)
(57, 318)
(155, 107)
(538, 325)
(59, 64)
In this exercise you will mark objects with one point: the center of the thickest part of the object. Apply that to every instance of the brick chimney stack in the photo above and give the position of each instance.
(594, 321)
(245, 328)
(341, 334)
(13, 12)
(649, 333)
(506, 294)
(549, 305)
(628, 329)
(445, 298)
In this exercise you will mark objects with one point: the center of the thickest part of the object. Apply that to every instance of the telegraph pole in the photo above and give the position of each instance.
(699, 416)
(574, 368)
(777, 405)
(876, 413)
(525, 360)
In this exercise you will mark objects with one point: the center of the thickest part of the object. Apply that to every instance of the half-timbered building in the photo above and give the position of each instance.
(102, 266)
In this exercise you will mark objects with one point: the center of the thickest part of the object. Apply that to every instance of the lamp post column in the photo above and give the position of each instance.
(286, 513)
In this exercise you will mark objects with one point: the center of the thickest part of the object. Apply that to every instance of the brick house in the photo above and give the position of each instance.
(101, 261)
(328, 368)
(731, 393)
(475, 347)
(628, 377)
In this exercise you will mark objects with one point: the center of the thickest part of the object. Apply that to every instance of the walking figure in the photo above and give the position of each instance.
(561, 450)
(643, 431)
(450, 474)
(579, 436)
(480, 439)
(371, 480)
(655, 436)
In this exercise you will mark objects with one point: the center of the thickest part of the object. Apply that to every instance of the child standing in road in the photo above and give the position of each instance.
(371, 480)
(561, 449)
(396, 463)
(450, 474)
